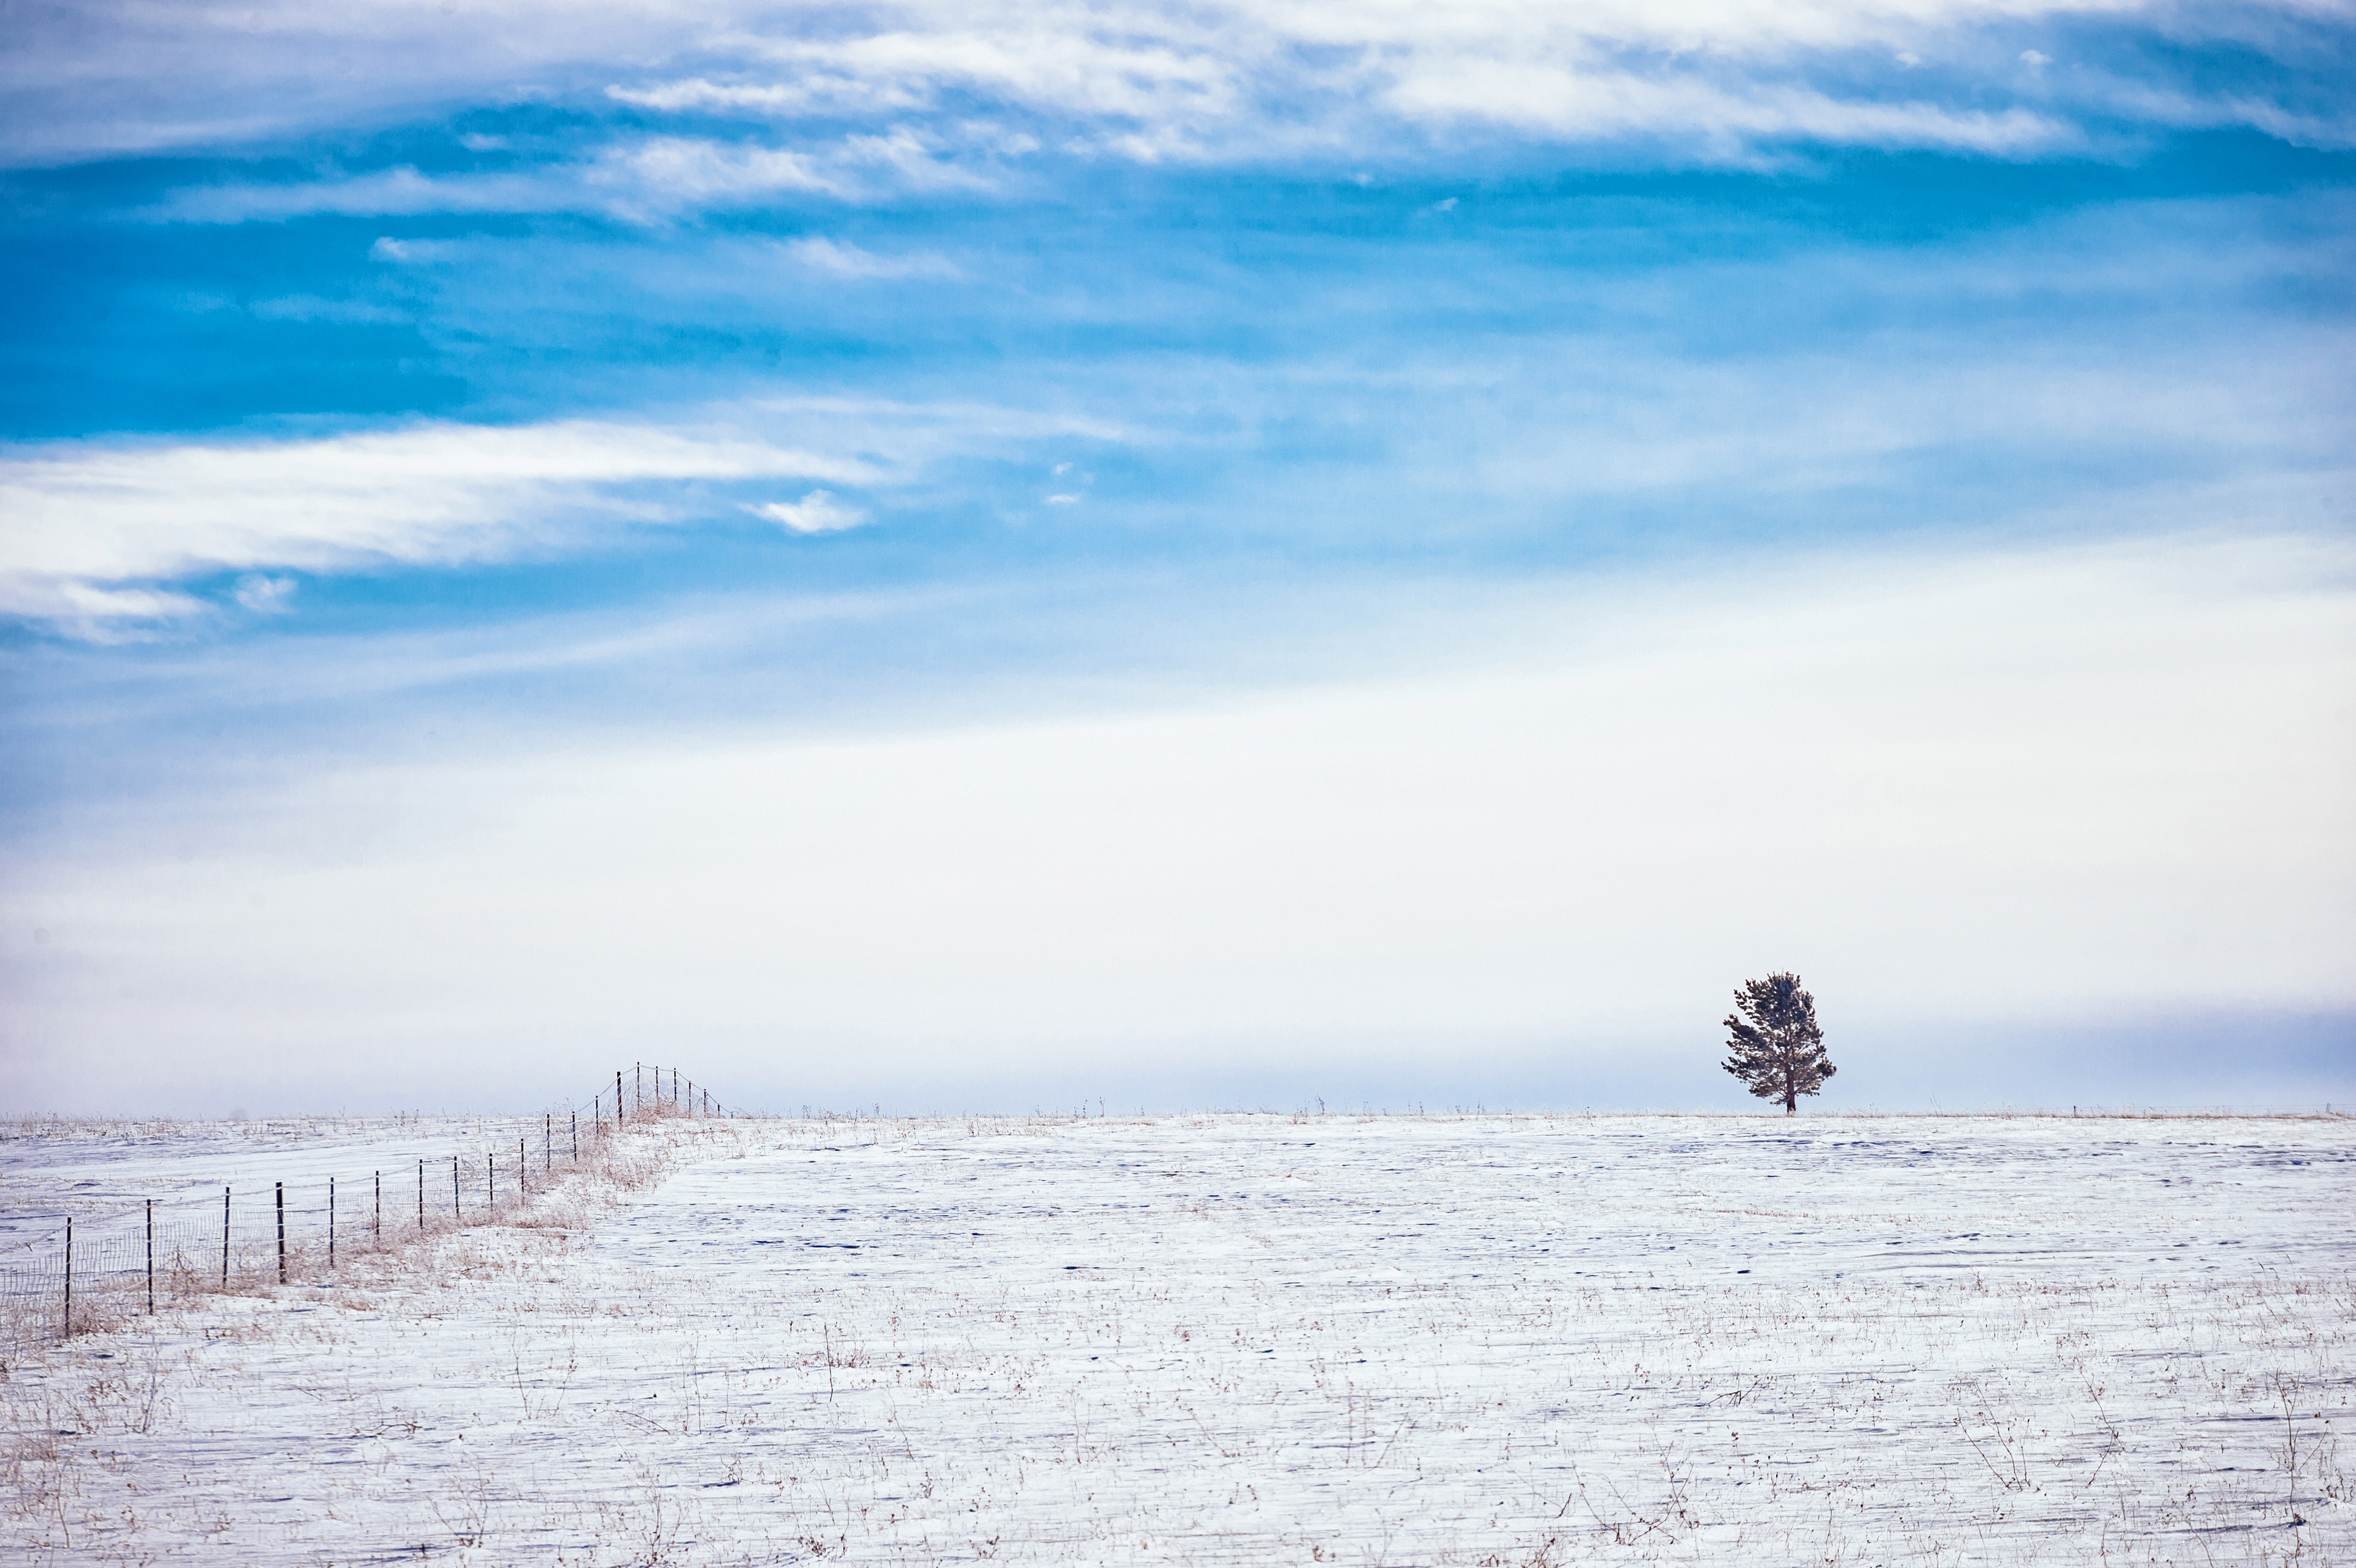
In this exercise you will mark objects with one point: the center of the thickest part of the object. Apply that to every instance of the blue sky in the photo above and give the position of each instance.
(974, 556)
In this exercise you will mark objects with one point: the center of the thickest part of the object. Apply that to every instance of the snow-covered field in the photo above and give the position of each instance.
(1268, 1340)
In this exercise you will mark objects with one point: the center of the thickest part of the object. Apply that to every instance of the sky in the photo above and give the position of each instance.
(956, 556)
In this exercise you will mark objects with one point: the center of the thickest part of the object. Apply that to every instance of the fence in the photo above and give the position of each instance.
(98, 1266)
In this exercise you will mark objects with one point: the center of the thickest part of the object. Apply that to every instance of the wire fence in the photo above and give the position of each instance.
(95, 1268)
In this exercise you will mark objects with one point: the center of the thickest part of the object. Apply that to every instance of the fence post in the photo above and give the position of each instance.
(491, 1181)
(151, 1257)
(331, 1223)
(282, 1232)
(421, 1196)
(523, 1172)
(68, 1320)
(224, 1237)
(574, 1118)
(376, 1232)
(547, 1144)
(455, 1211)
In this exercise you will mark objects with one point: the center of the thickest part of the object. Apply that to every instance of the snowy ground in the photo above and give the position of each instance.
(1264, 1339)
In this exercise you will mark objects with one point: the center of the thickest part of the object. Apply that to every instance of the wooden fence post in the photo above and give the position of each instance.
(376, 1232)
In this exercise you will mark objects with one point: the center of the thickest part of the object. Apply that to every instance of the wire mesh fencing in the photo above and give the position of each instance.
(97, 1269)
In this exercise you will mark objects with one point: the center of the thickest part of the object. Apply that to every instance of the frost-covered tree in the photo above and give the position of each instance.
(1776, 1048)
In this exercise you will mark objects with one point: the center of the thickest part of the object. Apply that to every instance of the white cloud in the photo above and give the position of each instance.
(1587, 105)
(94, 611)
(847, 261)
(85, 516)
(645, 179)
(1144, 79)
(816, 513)
(266, 595)
(666, 172)
(419, 252)
(387, 192)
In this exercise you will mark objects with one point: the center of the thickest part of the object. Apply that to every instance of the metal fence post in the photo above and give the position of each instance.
(421, 1196)
(331, 1223)
(573, 1120)
(455, 1211)
(224, 1237)
(282, 1232)
(376, 1232)
(69, 1318)
(151, 1257)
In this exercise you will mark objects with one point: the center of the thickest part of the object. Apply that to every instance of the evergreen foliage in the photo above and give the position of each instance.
(1776, 1048)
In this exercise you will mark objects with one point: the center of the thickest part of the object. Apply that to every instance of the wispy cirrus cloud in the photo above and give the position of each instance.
(103, 533)
(639, 179)
(1155, 80)
(94, 526)
(843, 259)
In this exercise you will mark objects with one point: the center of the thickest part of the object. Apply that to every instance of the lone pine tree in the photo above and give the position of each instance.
(1776, 1048)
